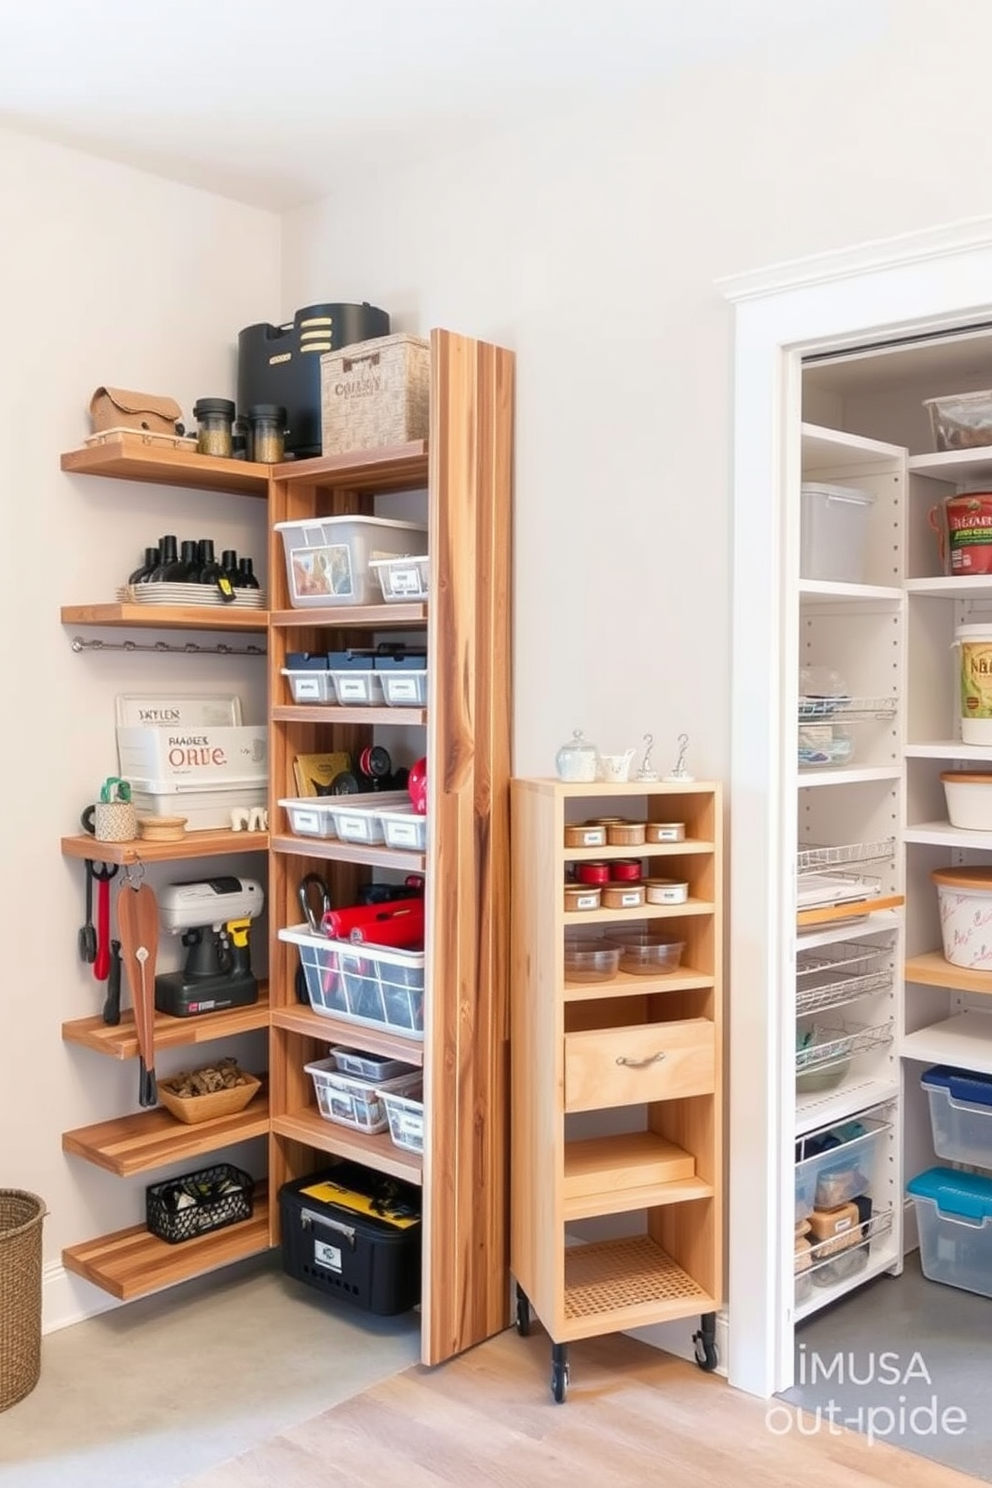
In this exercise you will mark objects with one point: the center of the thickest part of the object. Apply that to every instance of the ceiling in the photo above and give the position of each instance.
(281, 102)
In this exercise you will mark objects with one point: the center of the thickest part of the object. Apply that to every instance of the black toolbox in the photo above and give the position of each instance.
(354, 1233)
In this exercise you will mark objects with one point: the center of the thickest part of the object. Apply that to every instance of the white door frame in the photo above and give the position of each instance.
(933, 281)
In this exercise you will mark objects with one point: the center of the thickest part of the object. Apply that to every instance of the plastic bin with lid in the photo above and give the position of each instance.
(327, 558)
(367, 1065)
(954, 1218)
(834, 532)
(960, 1114)
(404, 680)
(837, 1164)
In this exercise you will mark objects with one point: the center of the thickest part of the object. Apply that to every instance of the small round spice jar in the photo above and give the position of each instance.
(626, 870)
(215, 432)
(623, 896)
(592, 873)
(582, 896)
(585, 834)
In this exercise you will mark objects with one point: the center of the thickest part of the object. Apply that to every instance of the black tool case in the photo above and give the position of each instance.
(353, 1233)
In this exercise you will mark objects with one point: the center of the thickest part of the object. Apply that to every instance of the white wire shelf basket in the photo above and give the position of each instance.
(835, 1045)
(823, 859)
(846, 709)
(830, 976)
(831, 1262)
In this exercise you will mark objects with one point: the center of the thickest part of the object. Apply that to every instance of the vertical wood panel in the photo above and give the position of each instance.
(465, 1163)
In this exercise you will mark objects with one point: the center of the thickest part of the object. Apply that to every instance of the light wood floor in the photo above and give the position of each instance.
(633, 1415)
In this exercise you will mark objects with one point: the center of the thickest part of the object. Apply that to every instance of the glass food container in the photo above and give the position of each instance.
(577, 761)
(267, 433)
(215, 426)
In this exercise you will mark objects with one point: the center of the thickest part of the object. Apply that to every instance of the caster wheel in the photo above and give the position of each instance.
(559, 1382)
(523, 1315)
(706, 1354)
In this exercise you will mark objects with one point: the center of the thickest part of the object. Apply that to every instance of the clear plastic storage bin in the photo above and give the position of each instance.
(349, 1100)
(960, 420)
(405, 1114)
(309, 816)
(402, 579)
(370, 1066)
(327, 558)
(954, 1217)
(404, 828)
(960, 1114)
(404, 689)
(834, 531)
(359, 818)
(828, 1175)
(311, 686)
(362, 984)
(358, 689)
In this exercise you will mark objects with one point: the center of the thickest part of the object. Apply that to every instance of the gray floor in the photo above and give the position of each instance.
(905, 1360)
(169, 1386)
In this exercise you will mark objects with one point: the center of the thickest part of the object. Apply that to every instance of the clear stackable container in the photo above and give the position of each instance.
(310, 816)
(405, 1114)
(960, 1114)
(312, 685)
(402, 579)
(327, 558)
(362, 984)
(351, 1101)
(404, 828)
(369, 1066)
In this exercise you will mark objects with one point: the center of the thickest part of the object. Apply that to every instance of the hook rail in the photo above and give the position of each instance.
(79, 643)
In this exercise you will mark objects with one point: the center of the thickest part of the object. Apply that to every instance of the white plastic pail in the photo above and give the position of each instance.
(974, 643)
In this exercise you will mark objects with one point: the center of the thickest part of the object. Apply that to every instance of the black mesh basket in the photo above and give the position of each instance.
(197, 1203)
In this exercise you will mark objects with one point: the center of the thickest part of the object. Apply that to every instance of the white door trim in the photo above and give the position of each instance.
(933, 281)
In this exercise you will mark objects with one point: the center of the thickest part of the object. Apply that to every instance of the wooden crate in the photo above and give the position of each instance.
(375, 393)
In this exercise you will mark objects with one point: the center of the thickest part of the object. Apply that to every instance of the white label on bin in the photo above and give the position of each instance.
(402, 687)
(627, 900)
(404, 580)
(403, 833)
(355, 827)
(307, 688)
(322, 572)
(587, 901)
(306, 821)
(670, 834)
(352, 689)
(328, 1256)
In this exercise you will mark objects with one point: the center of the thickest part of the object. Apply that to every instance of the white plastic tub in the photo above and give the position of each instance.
(359, 818)
(969, 799)
(834, 531)
(311, 686)
(327, 558)
(358, 689)
(404, 828)
(404, 689)
(965, 903)
(402, 580)
(310, 816)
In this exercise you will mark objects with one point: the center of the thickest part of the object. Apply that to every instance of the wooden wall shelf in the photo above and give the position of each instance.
(146, 1140)
(304, 1020)
(375, 1151)
(193, 845)
(121, 1042)
(398, 467)
(353, 617)
(132, 1263)
(166, 617)
(123, 459)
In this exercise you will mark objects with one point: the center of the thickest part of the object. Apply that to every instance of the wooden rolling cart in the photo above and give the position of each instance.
(616, 1128)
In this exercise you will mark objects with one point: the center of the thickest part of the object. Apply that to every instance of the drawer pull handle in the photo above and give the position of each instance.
(639, 1063)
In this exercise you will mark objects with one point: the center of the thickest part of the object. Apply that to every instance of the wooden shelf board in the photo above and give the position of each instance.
(333, 713)
(303, 1020)
(964, 1041)
(121, 459)
(932, 969)
(350, 852)
(166, 617)
(646, 912)
(611, 1285)
(352, 617)
(170, 1033)
(151, 1139)
(132, 1263)
(639, 850)
(680, 1191)
(399, 467)
(378, 1151)
(625, 984)
(193, 845)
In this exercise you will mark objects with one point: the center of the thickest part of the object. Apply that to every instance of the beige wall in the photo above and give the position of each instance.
(109, 275)
(591, 245)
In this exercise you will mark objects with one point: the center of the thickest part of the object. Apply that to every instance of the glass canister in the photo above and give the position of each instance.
(266, 433)
(215, 431)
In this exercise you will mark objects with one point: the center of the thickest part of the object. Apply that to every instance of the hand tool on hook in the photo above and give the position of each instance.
(103, 873)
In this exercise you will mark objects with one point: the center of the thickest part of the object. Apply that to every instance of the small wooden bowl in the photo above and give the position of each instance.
(162, 828)
(192, 1109)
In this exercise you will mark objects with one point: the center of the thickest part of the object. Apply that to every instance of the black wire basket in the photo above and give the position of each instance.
(197, 1203)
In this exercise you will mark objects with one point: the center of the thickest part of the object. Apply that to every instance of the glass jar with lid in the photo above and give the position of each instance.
(215, 426)
(266, 433)
(577, 761)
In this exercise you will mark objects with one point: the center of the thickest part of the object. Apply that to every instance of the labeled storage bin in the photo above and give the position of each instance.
(837, 1165)
(362, 984)
(405, 828)
(834, 531)
(960, 420)
(405, 1113)
(312, 685)
(403, 687)
(350, 1100)
(310, 816)
(960, 1114)
(402, 579)
(327, 558)
(954, 1218)
(358, 687)
(197, 1203)
(353, 1234)
(375, 393)
(360, 818)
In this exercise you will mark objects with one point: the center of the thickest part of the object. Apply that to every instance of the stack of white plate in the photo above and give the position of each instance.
(190, 594)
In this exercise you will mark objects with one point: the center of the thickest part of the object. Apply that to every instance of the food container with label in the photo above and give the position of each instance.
(665, 891)
(965, 905)
(664, 832)
(626, 870)
(625, 834)
(623, 896)
(585, 834)
(582, 896)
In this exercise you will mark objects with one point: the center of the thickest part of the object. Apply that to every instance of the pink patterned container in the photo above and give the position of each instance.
(965, 900)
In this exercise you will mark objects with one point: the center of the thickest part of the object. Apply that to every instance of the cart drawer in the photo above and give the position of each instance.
(649, 1062)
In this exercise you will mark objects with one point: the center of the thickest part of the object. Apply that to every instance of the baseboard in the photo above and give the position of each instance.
(67, 1299)
(676, 1338)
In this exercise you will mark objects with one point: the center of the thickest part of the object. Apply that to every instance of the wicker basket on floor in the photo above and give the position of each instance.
(21, 1216)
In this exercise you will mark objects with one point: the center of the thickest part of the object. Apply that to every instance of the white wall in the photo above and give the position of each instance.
(591, 246)
(108, 275)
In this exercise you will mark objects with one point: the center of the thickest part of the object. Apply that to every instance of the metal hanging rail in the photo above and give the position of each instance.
(79, 643)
